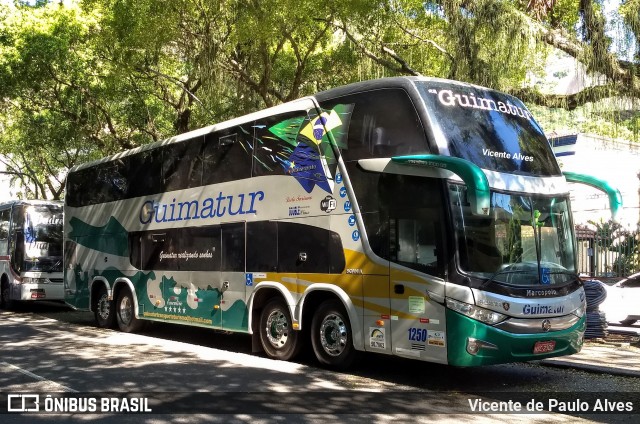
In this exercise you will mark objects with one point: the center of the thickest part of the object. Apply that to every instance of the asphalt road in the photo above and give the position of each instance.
(189, 374)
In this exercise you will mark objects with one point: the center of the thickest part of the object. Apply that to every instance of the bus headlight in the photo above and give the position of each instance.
(580, 311)
(475, 312)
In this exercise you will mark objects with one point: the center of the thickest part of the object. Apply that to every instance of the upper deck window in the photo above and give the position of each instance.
(491, 129)
(384, 123)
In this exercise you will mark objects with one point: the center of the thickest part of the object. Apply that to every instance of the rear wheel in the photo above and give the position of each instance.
(628, 321)
(331, 335)
(126, 313)
(277, 336)
(104, 309)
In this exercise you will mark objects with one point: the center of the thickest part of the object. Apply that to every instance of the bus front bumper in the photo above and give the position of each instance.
(472, 343)
(51, 291)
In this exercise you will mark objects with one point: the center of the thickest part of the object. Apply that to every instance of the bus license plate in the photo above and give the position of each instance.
(544, 347)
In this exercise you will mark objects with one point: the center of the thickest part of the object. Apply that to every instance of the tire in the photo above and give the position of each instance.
(277, 336)
(126, 312)
(331, 336)
(104, 309)
(5, 297)
(628, 322)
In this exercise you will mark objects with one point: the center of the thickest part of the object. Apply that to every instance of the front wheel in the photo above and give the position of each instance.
(5, 296)
(277, 336)
(331, 335)
(125, 312)
(104, 309)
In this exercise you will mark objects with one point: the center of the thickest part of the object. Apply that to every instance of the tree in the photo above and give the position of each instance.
(83, 80)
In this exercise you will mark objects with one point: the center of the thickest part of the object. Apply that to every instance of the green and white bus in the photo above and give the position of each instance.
(30, 251)
(408, 216)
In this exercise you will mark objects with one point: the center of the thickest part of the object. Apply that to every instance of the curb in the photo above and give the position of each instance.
(622, 372)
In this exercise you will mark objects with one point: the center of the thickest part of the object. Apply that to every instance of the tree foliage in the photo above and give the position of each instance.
(87, 78)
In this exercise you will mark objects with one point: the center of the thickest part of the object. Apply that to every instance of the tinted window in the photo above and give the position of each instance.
(232, 247)
(493, 130)
(111, 181)
(262, 246)
(383, 123)
(182, 164)
(145, 173)
(184, 249)
(4, 230)
(81, 187)
(322, 248)
(403, 217)
(226, 155)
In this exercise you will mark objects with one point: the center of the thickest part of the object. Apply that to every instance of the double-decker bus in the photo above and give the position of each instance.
(407, 216)
(30, 251)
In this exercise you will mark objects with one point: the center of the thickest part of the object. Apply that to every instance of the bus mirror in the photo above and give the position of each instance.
(478, 191)
(615, 198)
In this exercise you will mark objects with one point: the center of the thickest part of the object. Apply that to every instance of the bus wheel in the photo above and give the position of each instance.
(125, 312)
(279, 339)
(5, 296)
(103, 309)
(331, 335)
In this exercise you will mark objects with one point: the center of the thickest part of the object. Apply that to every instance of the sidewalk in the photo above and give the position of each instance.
(618, 358)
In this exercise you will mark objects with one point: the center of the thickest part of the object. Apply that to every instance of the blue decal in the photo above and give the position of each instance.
(418, 334)
(355, 235)
(338, 178)
(249, 279)
(546, 275)
(305, 165)
(352, 220)
(343, 192)
(347, 206)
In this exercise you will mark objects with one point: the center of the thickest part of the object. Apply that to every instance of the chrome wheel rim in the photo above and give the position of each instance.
(333, 334)
(126, 310)
(277, 329)
(103, 307)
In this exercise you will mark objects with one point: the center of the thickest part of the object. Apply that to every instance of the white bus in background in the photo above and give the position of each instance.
(30, 251)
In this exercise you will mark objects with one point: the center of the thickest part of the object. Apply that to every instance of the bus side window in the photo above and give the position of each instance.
(233, 247)
(226, 155)
(276, 138)
(111, 182)
(384, 123)
(262, 246)
(182, 164)
(4, 231)
(322, 249)
(145, 173)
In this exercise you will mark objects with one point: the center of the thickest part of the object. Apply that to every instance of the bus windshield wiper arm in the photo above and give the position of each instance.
(54, 266)
(502, 271)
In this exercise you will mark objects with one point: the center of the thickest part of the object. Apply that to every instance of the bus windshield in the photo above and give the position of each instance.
(491, 129)
(526, 239)
(43, 238)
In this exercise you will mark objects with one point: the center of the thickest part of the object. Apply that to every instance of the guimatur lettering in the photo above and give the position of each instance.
(210, 207)
(449, 98)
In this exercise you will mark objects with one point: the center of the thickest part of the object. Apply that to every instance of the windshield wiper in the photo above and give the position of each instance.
(507, 270)
(54, 266)
(537, 240)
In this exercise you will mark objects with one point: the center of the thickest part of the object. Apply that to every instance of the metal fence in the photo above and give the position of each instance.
(608, 249)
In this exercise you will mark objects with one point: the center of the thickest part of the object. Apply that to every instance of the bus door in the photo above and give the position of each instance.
(417, 317)
(233, 282)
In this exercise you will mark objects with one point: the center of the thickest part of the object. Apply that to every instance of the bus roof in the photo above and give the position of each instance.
(9, 203)
(406, 82)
